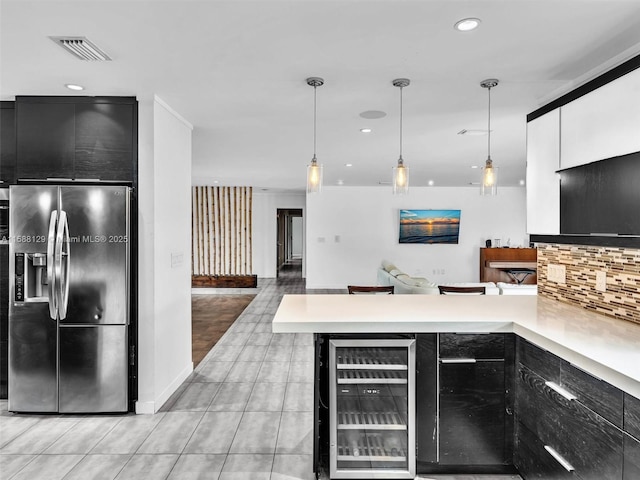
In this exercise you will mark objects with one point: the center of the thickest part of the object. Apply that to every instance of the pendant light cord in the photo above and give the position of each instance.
(489, 127)
(400, 123)
(315, 88)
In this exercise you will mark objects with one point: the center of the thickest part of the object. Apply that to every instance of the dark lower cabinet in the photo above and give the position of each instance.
(472, 413)
(79, 138)
(581, 439)
(533, 460)
(631, 468)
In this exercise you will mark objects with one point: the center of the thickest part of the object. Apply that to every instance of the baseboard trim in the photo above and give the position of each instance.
(149, 408)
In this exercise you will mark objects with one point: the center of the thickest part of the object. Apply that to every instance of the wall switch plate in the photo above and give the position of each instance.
(557, 273)
(601, 281)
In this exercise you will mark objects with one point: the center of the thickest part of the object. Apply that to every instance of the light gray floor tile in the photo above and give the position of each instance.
(48, 467)
(172, 433)
(292, 467)
(303, 339)
(213, 371)
(98, 467)
(301, 372)
(231, 338)
(247, 467)
(13, 425)
(282, 338)
(252, 353)
(299, 397)
(215, 433)
(296, 433)
(196, 398)
(176, 395)
(264, 327)
(249, 317)
(150, 467)
(83, 436)
(260, 338)
(279, 353)
(127, 436)
(303, 353)
(248, 440)
(273, 372)
(231, 397)
(197, 467)
(267, 397)
(243, 372)
(242, 327)
(11, 464)
(40, 436)
(224, 353)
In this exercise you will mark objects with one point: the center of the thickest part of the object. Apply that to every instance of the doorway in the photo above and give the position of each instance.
(290, 242)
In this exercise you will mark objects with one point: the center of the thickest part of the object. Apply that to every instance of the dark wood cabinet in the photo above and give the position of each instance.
(533, 460)
(7, 143)
(551, 407)
(426, 399)
(80, 138)
(475, 399)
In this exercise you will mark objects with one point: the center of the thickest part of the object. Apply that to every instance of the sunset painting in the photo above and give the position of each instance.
(429, 226)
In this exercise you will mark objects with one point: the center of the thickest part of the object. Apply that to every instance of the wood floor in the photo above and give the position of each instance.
(211, 316)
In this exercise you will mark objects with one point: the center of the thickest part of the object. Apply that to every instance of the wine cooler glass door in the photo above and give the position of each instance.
(372, 434)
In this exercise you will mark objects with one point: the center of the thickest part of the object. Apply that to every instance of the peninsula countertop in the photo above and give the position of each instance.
(605, 347)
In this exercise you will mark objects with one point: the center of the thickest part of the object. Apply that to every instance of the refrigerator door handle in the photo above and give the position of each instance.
(51, 274)
(62, 264)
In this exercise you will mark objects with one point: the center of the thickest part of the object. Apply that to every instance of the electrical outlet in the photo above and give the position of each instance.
(557, 273)
(601, 281)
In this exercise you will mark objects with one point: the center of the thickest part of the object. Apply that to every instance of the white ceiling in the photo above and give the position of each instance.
(236, 70)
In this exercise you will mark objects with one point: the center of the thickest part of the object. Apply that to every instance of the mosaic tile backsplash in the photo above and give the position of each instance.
(621, 265)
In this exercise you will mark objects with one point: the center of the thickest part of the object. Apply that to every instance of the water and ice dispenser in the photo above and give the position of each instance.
(31, 277)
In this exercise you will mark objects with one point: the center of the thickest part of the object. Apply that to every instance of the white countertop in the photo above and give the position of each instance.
(603, 346)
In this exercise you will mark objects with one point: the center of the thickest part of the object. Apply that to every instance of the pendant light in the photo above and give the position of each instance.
(314, 170)
(489, 181)
(400, 171)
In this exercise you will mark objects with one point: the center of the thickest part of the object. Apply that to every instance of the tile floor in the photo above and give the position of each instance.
(244, 414)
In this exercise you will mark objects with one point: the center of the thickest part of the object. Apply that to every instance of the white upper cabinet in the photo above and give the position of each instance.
(602, 124)
(543, 183)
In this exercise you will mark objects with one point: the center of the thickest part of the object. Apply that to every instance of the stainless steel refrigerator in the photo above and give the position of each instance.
(69, 298)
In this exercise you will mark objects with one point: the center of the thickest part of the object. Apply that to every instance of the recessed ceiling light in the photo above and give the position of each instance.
(365, 130)
(467, 24)
(430, 182)
(71, 86)
(521, 182)
(373, 114)
(348, 164)
(340, 182)
(474, 166)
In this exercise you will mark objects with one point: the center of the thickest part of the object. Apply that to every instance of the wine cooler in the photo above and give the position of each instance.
(372, 408)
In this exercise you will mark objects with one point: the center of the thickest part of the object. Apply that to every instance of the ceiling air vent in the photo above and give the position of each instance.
(81, 48)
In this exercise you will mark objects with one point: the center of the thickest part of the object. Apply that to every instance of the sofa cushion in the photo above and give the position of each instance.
(395, 272)
(387, 266)
(404, 278)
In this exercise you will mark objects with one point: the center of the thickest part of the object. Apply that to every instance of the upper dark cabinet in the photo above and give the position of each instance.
(7, 143)
(80, 138)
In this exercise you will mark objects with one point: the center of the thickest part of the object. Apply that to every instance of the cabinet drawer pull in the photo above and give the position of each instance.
(566, 465)
(458, 360)
(569, 396)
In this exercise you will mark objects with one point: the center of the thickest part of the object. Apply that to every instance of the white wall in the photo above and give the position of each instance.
(265, 231)
(351, 229)
(164, 346)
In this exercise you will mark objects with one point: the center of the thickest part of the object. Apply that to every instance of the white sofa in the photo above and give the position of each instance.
(389, 274)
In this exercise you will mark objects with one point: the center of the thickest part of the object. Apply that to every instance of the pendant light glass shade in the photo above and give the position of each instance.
(400, 178)
(489, 180)
(314, 170)
(314, 176)
(400, 171)
(489, 184)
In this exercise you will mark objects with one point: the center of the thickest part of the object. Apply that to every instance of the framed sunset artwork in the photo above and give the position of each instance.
(429, 226)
